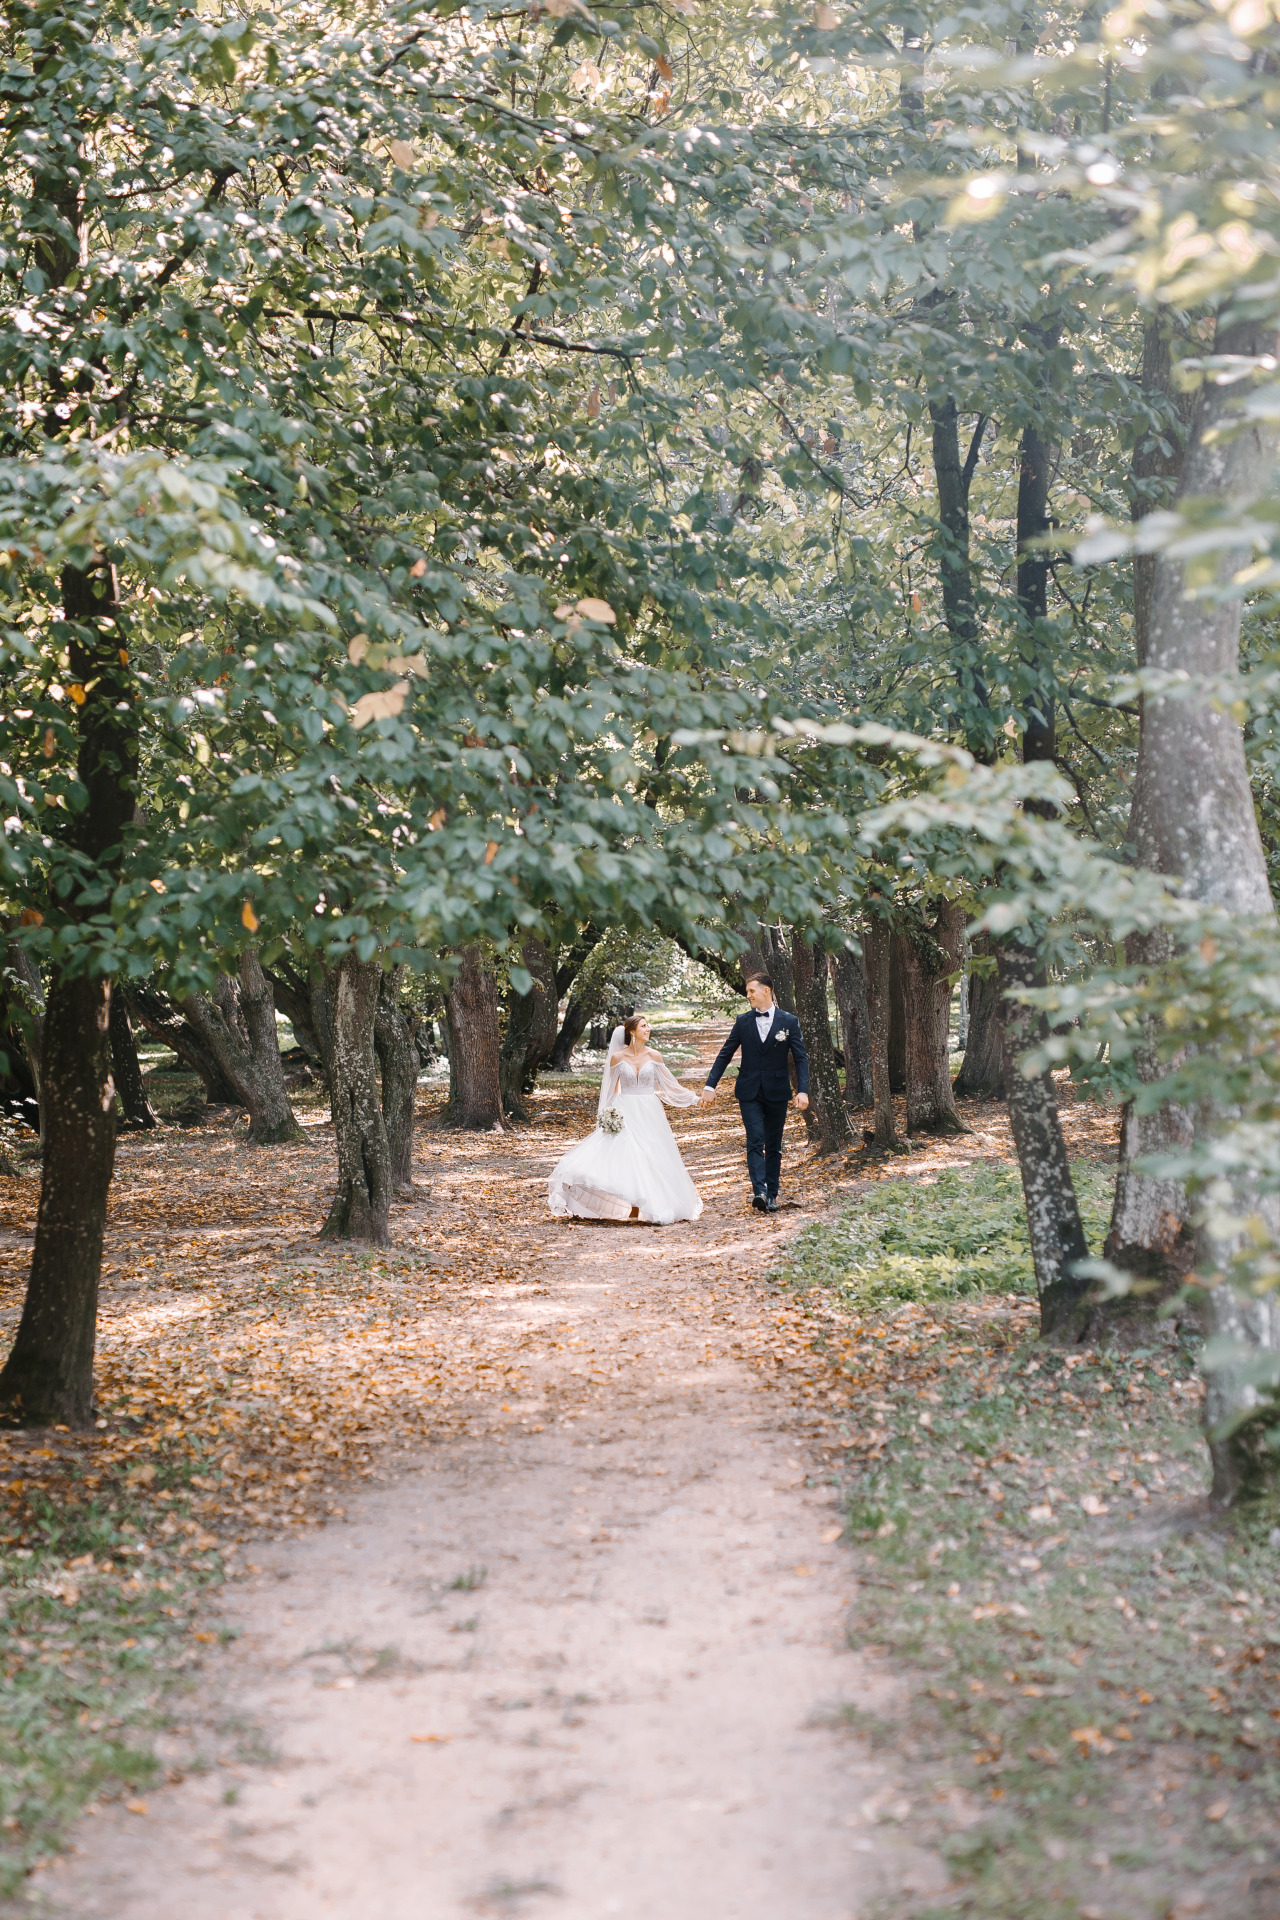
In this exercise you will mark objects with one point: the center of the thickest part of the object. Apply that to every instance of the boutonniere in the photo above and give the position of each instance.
(782, 1034)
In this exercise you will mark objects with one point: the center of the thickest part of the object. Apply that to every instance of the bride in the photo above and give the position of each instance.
(630, 1167)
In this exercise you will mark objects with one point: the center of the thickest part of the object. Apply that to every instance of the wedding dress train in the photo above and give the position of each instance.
(604, 1176)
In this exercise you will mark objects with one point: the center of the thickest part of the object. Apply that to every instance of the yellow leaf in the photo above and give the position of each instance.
(403, 153)
(136, 1806)
(598, 610)
(77, 693)
(124, 656)
(31, 917)
(49, 743)
(1093, 1506)
(431, 1739)
(357, 647)
(664, 68)
(248, 918)
(916, 603)
(563, 613)
(437, 819)
(418, 568)
(1218, 1811)
(489, 852)
(593, 403)
(379, 706)
(830, 1535)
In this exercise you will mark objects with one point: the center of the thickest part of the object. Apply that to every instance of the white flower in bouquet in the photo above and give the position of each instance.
(611, 1121)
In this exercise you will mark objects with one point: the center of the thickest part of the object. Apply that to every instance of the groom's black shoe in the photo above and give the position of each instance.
(771, 1203)
(760, 1201)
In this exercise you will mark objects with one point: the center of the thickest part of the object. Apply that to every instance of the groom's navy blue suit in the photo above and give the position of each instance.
(764, 1088)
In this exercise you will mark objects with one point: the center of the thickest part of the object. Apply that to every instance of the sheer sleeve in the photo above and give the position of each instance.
(609, 1083)
(669, 1090)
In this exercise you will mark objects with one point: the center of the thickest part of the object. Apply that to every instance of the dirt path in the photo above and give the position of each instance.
(586, 1658)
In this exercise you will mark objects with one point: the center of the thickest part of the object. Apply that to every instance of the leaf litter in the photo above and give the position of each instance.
(250, 1377)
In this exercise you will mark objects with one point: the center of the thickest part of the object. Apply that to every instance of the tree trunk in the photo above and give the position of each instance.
(1193, 818)
(48, 1377)
(825, 1116)
(398, 1055)
(849, 979)
(139, 1116)
(292, 995)
(877, 944)
(531, 1030)
(240, 1033)
(154, 1011)
(931, 957)
(30, 1015)
(778, 957)
(475, 1089)
(897, 1020)
(576, 1017)
(1149, 1233)
(1053, 1213)
(953, 479)
(321, 1007)
(362, 1204)
(981, 1075)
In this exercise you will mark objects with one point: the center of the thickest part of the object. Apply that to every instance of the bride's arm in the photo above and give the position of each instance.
(668, 1088)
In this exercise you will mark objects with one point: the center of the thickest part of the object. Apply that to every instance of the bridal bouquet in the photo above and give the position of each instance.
(611, 1121)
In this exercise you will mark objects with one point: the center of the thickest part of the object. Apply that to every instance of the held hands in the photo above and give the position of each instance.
(707, 1095)
(802, 1101)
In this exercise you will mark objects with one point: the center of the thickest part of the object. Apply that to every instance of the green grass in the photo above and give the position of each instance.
(935, 1238)
(1091, 1663)
(96, 1642)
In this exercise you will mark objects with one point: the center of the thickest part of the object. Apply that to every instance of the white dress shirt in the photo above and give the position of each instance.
(765, 1020)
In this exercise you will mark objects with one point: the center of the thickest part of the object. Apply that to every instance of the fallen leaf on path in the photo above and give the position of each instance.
(431, 1739)
(1218, 1811)
(831, 1534)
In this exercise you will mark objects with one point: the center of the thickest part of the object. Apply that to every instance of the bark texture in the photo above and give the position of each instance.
(238, 1028)
(877, 944)
(932, 955)
(1053, 1213)
(48, 1376)
(530, 1034)
(291, 991)
(475, 1087)
(362, 1203)
(139, 1115)
(396, 1048)
(981, 1075)
(152, 1009)
(849, 980)
(1149, 1233)
(1193, 818)
(826, 1116)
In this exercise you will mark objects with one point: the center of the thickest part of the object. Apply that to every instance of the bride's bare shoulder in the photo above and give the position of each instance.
(651, 1053)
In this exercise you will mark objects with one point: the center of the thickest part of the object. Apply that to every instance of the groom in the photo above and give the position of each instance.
(767, 1036)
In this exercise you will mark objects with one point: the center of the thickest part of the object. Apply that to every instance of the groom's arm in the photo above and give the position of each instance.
(724, 1056)
(801, 1060)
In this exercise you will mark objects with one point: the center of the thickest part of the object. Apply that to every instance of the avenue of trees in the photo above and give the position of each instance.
(482, 489)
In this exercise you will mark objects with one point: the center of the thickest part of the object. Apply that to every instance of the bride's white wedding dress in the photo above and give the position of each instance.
(604, 1176)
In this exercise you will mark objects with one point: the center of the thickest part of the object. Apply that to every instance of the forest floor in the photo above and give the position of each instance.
(745, 1567)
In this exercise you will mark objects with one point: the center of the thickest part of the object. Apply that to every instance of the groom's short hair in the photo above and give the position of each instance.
(763, 978)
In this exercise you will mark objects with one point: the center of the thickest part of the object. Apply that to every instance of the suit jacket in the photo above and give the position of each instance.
(764, 1073)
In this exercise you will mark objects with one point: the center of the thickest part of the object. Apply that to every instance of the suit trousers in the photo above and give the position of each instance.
(764, 1121)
